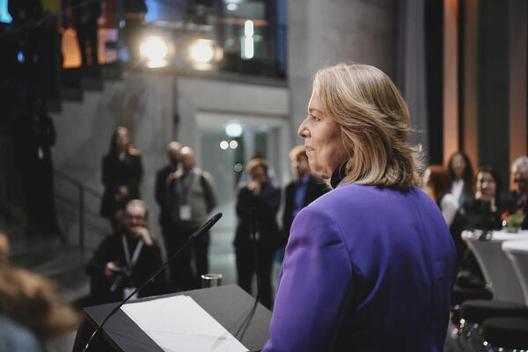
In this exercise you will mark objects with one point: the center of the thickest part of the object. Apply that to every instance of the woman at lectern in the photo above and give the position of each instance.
(370, 265)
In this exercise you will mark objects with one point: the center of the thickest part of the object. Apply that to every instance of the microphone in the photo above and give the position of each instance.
(203, 229)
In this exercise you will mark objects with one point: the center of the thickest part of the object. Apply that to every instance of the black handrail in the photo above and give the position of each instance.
(82, 190)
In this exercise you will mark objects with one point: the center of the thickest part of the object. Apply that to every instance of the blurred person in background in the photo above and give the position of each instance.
(34, 134)
(124, 260)
(161, 189)
(484, 210)
(520, 192)
(436, 185)
(262, 196)
(460, 174)
(302, 190)
(191, 198)
(31, 314)
(85, 14)
(122, 174)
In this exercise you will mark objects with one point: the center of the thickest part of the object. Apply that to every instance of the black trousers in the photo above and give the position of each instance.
(247, 267)
(186, 269)
(87, 35)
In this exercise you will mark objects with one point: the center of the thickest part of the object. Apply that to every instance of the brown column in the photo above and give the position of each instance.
(518, 116)
(470, 129)
(451, 131)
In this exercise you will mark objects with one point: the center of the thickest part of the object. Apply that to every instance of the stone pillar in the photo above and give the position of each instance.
(322, 33)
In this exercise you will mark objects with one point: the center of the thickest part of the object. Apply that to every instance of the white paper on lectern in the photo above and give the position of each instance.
(178, 323)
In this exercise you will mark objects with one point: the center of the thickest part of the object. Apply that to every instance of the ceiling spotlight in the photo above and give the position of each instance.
(232, 7)
(202, 51)
(233, 144)
(224, 145)
(154, 50)
(233, 130)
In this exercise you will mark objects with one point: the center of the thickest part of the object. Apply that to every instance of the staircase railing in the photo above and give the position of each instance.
(82, 190)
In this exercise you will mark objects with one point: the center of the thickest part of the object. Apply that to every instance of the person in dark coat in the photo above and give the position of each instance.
(86, 13)
(35, 135)
(122, 174)
(124, 260)
(161, 187)
(262, 196)
(303, 190)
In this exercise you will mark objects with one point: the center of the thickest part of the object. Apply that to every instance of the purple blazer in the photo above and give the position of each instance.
(366, 269)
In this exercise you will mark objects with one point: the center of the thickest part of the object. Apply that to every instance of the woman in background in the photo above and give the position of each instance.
(460, 174)
(263, 197)
(122, 173)
(436, 185)
(485, 209)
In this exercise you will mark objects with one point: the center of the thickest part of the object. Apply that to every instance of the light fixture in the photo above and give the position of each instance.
(224, 145)
(232, 7)
(248, 51)
(233, 144)
(155, 51)
(203, 53)
(238, 167)
(233, 130)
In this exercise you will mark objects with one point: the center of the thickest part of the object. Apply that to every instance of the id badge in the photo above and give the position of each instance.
(129, 290)
(185, 212)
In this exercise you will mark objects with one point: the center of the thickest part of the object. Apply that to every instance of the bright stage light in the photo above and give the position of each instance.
(202, 51)
(155, 51)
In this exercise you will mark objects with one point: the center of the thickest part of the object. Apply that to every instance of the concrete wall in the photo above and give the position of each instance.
(322, 33)
(141, 102)
(147, 104)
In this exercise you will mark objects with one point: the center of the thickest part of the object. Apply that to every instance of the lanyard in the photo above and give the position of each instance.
(131, 262)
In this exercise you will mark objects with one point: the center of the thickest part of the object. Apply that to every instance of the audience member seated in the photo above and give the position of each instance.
(126, 259)
(460, 174)
(436, 185)
(520, 193)
(485, 209)
(31, 315)
(122, 173)
(481, 212)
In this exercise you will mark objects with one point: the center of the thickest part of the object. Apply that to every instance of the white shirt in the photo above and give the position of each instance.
(449, 207)
(457, 188)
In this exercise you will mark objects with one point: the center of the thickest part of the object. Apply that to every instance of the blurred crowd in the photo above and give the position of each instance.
(477, 201)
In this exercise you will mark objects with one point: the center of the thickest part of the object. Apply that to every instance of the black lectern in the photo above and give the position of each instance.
(231, 306)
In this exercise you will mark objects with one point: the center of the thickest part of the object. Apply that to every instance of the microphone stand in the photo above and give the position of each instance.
(203, 229)
(253, 237)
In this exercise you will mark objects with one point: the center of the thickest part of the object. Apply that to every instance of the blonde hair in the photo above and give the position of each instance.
(374, 123)
(32, 300)
(257, 162)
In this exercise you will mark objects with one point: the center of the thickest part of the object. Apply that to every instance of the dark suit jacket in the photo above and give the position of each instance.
(266, 205)
(161, 193)
(127, 172)
(314, 189)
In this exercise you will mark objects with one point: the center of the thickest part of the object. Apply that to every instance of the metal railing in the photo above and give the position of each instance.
(82, 190)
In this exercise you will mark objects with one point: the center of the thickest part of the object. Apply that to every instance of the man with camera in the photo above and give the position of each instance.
(126, 259)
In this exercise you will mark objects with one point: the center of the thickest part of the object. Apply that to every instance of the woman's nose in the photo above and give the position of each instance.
(302, 131)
